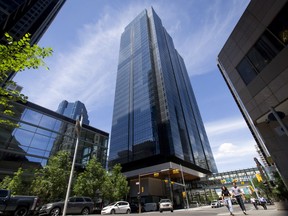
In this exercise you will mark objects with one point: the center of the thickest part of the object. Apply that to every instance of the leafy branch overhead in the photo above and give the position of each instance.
(16, 56)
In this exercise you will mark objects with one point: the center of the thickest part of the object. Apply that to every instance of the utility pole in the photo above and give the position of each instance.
(78, 127)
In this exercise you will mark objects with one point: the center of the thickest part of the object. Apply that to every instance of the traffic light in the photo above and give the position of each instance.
(259, 177)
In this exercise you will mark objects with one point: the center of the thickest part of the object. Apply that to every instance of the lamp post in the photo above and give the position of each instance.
(184, 185)
(78, 127)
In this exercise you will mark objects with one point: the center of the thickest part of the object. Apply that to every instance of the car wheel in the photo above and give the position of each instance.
(85, 211)
(55, 212)
(21, 211)
(113, 211)
(128, 211)
(171, 210)
(161, 211)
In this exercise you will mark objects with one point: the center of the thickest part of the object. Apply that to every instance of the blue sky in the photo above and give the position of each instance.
(85, 37)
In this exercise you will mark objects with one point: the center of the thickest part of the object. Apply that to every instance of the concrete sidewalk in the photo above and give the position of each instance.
(271, 211)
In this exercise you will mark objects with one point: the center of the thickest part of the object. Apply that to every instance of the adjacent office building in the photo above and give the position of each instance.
(156, 121)
(254, 65)
(18, 17)
(73, 110)
(41, 134)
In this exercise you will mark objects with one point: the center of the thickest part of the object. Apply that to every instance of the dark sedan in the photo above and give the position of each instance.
(76, 205)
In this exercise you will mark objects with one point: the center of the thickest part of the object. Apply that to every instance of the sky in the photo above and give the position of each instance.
(85, 37)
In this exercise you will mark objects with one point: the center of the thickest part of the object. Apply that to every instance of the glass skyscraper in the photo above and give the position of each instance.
(73, 110)
(156, 118)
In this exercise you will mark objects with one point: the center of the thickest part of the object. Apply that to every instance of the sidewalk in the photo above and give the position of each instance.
(271, 211)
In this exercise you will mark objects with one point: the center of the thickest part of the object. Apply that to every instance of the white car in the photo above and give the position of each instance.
(165, 205)
(119, 207)
(215, 204)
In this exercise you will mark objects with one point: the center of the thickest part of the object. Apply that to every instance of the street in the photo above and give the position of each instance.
(222, 211)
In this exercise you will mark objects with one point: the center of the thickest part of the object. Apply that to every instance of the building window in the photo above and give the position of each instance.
(279, 26)
(271, 42)
(246, 70)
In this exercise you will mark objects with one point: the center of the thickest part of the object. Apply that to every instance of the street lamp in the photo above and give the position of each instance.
(184, 185)
(78, 127)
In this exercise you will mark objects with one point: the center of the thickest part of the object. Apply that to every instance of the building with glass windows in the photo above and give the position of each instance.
(156, 121)
(27, 16)
(73, 110)
(254, 65)
(41, 134)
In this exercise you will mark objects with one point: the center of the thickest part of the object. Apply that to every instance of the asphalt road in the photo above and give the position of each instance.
(222, 211)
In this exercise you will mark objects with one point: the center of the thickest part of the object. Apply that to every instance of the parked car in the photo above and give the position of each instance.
(194, 204)
(75, 205)
(17, 205)
(234, 201)
(150, 207)
(165, 205)
(121, 207)
(215, 204)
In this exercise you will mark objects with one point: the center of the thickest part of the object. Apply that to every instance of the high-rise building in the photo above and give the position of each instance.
(254, 65)
(156, 121)
(18, 17)
(42, 133)
(73, 110)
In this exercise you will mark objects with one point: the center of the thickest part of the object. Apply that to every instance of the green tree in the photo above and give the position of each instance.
(90, 182)
(50, 183)
(16, 56)
(279, 191)
(117, 186)
(14, 184)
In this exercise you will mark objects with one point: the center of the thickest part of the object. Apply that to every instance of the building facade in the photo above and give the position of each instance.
(41, 134)
(156, 121)
(73, 110)
(254, 65)
(27, 16)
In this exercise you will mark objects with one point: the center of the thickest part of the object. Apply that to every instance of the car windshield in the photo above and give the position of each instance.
(165, 200)
(111, 204)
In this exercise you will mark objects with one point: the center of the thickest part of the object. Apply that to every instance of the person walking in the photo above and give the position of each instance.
(253, 201)
(226, 197)
(236, 191)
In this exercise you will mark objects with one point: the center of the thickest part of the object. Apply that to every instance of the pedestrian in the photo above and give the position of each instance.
(236, 191)
(263, 202)
(226, 197)
(253, 201)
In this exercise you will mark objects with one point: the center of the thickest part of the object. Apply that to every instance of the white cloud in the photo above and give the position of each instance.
(225, 126)
(230, 156)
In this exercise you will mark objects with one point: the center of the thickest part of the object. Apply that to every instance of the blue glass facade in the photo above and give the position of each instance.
(73, 110)
(41, 134)
(156, 117)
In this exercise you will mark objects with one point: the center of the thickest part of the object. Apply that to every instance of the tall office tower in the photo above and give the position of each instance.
(18, 17)
(156, 121)
(73, 110)
(254, 65)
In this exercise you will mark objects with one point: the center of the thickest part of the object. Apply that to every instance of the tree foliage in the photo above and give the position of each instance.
(95, 182)
(14, 184)
(279, 191)
(16, 56)
(117, 183)
(90, 182)
(50, 183)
